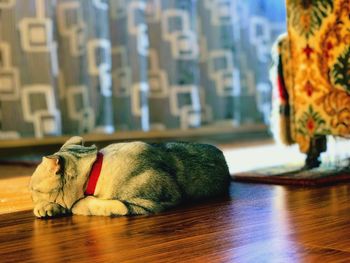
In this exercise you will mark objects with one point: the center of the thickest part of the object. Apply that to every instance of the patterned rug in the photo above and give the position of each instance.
(293, 175)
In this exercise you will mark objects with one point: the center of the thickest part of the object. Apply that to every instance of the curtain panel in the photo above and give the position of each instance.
(84, 66)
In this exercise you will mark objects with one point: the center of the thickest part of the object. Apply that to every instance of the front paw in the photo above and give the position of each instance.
(93, 206)
(46, 209)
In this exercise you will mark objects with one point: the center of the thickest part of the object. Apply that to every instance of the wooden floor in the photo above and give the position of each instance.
(258, 223)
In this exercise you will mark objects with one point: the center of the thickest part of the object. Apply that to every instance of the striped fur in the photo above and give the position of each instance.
(136, 178)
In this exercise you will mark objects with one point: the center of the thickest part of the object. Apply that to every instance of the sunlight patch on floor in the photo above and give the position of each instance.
(271, 154)
(255, 157)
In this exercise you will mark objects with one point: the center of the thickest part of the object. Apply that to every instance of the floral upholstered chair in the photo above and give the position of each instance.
(312, 84)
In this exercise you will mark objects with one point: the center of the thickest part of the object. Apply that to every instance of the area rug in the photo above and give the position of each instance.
(292, 174)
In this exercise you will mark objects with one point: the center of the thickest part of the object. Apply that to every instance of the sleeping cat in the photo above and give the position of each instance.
(126, 178)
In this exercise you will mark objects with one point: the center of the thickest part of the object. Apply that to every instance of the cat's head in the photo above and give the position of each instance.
(60, 177)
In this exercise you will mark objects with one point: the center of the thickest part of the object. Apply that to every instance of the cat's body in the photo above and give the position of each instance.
(135, 178)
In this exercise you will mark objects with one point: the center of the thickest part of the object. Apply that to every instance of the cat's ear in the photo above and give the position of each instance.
(75, 140)
(53, 162)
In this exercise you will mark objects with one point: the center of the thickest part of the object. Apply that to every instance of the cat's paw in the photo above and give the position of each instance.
(93, 206)
(82, 206)
(116, 208)
(109, 208)
(46, 209)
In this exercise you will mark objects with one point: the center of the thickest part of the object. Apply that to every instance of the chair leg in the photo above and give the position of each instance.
(317, 146)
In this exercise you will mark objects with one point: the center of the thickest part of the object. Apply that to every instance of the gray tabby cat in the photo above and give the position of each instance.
(135, 178)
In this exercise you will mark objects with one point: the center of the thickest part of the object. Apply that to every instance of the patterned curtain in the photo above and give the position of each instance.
(82, 66)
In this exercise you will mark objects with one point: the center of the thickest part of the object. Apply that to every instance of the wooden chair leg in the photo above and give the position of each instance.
(317, 146)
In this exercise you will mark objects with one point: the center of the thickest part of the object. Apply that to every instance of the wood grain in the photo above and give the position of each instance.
(257, 223)
(14, 188)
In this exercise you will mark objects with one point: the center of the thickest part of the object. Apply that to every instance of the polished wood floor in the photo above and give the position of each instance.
(257, 223)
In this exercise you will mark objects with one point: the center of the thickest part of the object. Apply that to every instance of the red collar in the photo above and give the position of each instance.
(94, 175)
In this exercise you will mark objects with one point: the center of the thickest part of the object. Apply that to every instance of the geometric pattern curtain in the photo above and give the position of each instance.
(82, 66)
